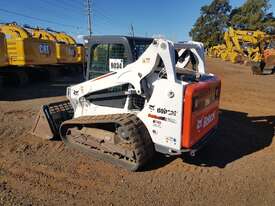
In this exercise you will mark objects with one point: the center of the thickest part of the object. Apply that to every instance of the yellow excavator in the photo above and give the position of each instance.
(246, 46)
(26, 53)
(243, 45)
(24, 50)
(74, 50)
(67, 50)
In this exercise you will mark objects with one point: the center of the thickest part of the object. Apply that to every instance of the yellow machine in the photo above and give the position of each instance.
(80, 53)
(41, 34)
(28, 53)
(266, 63)
(65, 52)
(216, 51)
(254, 47)
(67, 39)
(63, 37)
(211, 52)
(243, 45)
(25, 50)
(4, 60)
(67, 48)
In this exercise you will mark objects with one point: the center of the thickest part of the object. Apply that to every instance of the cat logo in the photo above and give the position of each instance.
(44, 49)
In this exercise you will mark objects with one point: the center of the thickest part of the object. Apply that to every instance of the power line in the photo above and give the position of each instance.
(72, 4)
(54, 11)
(36, 18)
(58, 7)
(101, 20)
(57, 4)
(103, 14)
(107, 18)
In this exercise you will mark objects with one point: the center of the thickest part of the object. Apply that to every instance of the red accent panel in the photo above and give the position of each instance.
(201, 107)
(156, 117)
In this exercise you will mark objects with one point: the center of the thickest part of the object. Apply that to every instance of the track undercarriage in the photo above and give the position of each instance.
(121, 139)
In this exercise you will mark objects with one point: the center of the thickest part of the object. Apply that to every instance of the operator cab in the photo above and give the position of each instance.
(111, 53)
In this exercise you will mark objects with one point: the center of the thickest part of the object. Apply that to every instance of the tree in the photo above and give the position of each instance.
(253, 14)
(210, 26)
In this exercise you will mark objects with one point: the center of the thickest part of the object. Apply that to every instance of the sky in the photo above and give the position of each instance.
(172, 19)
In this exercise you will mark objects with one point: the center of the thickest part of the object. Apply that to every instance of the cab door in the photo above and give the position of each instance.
(107, 57)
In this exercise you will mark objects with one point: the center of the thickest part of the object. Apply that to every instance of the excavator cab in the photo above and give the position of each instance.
(111, 53)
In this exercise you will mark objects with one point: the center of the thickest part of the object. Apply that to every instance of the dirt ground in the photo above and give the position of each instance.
(237, 168)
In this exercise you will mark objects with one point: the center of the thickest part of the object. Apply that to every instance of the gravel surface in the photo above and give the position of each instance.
(237, 168)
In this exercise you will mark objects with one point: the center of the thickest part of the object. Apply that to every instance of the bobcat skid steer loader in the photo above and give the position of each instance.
(147, 98)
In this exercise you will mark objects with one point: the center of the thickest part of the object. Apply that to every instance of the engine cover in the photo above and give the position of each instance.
(201, 107)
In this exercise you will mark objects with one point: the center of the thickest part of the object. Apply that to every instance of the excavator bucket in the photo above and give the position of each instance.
(50, 118)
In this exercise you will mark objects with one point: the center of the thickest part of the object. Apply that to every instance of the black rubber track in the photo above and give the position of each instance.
(139, 139)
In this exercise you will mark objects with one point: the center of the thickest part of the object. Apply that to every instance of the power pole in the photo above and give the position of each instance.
(132, 31)
(89, 10)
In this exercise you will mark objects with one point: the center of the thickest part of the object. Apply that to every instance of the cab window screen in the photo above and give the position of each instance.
(100, 55)
(117, 51)
(140, 48)
(99, 60)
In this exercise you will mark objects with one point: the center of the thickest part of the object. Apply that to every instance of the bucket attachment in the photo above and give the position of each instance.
(50, 118)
